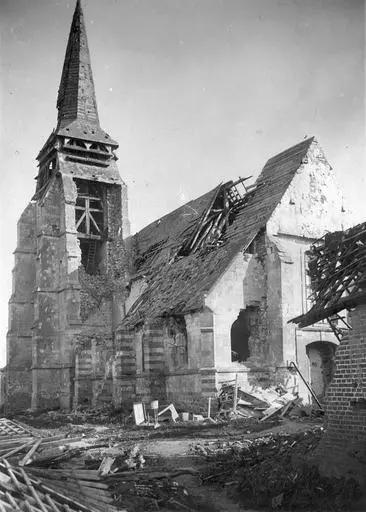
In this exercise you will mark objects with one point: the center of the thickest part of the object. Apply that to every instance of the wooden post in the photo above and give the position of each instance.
(235, 393)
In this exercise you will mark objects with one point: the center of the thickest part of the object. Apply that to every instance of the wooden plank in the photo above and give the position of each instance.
(29, 506)
(106, 465)
(74, 497)
(33, 491)
(12, 502)
(65, 500)
(268, 413)
(12, 475)
(235, 393)
(59, 495)
(82, 474)
(16, 450)
(23, 491)
(27, 458)
(287, 407)
(138, 412)
(10, 443)
(6, 437)
(7, 487)
(93, 485)
(76, 488)
(52, 504)
(63, 440)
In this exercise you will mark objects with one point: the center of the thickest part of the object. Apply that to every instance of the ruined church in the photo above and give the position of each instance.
(181, 307)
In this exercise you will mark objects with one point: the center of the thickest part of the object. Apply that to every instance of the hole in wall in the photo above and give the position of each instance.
(91, 255)
(240, 333)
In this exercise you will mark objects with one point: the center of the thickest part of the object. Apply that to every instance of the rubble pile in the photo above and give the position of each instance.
(91, 473)
(135, 486)
(109, 467)
(151, 494)
(257, 403)
(78, 416)
(272, 471)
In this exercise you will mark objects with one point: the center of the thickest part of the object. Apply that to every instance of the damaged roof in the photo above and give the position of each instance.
(337, 269)
(177, 285)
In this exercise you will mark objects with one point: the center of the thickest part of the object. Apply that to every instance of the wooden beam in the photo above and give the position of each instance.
(315, 314)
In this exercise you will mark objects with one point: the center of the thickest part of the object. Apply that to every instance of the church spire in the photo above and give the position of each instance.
(76, 96)
(76, 102)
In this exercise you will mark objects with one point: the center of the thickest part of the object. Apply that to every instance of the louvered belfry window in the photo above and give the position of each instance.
(89, 211)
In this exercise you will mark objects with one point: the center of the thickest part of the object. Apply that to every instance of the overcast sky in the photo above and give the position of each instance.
(194, 91)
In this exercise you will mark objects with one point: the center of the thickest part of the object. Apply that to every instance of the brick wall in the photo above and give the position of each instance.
(343, 447)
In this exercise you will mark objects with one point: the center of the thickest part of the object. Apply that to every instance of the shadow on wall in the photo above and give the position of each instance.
(321, 360)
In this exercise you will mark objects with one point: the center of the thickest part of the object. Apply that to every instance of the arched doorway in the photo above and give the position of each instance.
(321, 360)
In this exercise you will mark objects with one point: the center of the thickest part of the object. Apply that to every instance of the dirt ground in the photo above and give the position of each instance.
(177, 453)
(170, 448)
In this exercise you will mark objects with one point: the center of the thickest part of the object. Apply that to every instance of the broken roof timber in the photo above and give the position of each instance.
(315, 315)
(177, 286)
(337, 269)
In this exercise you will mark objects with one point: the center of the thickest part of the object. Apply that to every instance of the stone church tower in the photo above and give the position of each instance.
(69, 252)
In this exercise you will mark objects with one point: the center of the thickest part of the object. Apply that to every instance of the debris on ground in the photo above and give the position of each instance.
(22, 490)
(112, 466)
(59, 473)
(151, 495)
(272, 471)
(81, 415)
(257, 403)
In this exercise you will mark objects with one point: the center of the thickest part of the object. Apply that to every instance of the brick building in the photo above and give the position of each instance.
(338, 272)
(202, 294)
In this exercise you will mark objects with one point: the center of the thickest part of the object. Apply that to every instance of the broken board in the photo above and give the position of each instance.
(138, 412)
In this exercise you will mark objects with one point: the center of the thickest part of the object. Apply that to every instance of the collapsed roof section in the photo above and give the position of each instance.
(337, 268)
(209, 230)
(183, 254)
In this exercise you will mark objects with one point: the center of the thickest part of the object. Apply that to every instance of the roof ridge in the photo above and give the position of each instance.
(308, 140)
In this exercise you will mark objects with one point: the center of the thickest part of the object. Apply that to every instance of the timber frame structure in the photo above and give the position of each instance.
(337, 269)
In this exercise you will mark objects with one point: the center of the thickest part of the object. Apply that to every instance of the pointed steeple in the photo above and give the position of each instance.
(76, 102)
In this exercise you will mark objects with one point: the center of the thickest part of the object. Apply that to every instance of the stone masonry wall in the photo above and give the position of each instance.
(311, 206)
(18, 374)
(242, 286)
(101, 309)
(56, 299)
